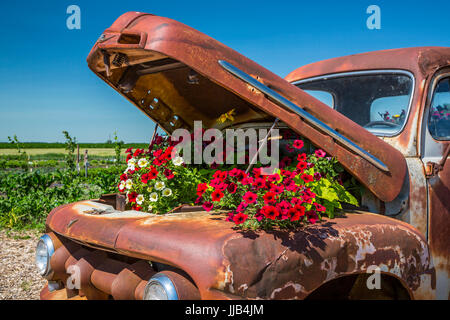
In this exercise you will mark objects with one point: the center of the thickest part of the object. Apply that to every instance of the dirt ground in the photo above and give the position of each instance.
(19, 278)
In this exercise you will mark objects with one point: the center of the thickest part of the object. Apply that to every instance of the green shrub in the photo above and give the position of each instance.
(26, 198)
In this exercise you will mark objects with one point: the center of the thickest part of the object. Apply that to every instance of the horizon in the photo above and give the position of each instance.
(47, 86)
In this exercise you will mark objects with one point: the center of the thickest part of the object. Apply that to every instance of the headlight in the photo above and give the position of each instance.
(160, 287)
(44, 251)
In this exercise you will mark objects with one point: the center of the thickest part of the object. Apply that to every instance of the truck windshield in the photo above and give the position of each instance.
(379, 102)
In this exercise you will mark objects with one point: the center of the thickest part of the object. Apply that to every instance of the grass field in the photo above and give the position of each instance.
(34, 151)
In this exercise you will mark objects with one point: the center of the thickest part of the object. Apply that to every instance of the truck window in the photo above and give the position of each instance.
(377, 101)
(439, 117)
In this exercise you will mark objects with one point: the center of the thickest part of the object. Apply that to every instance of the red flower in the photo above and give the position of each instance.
(269, 198)
(129, 150)
(201, 188)
(307, 178)
(257, 172)
(250, 197)
(136, 207)
(270, 212)
(273, 177)
(123, 177)
(129, 156)
(277, 189)
(233, 172)
(152, 174)
(301, 157)
(298, 144)
(296, 213)
(208, 206)
(217, 195)
(138, 152)
(302, 166)
(259, 183)
(132, 196)
(240, 218)
(319, 207)
(169, 174)
(312, 216)
(296, 201)
(320, 153)
(232, 187)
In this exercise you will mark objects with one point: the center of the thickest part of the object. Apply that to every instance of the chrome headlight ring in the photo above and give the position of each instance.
(44, 251)
(160, 287)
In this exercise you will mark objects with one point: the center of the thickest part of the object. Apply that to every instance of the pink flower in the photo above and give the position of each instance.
(320, 153)
(208, 206)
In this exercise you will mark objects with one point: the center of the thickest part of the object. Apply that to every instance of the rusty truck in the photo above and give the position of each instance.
(384, 115)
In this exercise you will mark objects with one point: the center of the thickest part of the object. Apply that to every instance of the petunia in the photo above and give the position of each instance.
(140, 199)
(177, 161)
(312, 216)
(307, 178)
(302, 166)
(298, 144)
(269, 197)
(301, 157)
(167, 192)
(153, 197)
(250, 197)
(168, 174)
(240, 218)
(216, 196)
(201, 188)
(208, 206)
(129, 184)
(270, 212)
(142, 162)
(231, 188)
(320, 153)
(159, 185)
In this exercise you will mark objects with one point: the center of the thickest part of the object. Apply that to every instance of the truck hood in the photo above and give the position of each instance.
(171, 72)
(276, 265)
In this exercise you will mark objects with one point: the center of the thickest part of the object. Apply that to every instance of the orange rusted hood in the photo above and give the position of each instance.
(228, 263)
(171, 73)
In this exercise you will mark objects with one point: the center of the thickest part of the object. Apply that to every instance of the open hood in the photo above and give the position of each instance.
(176, 75)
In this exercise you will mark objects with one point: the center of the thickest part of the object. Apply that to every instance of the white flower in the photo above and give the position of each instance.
(159, 185)
(128, 184)
(139, 199)
(167, 192)
(178, 161)
(150, 208)
(132, 161)
(121, 185)
(142, 163)
(153, 197)
(131, 167)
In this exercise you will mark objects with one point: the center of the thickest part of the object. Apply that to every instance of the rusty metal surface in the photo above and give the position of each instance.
(169, 38)
(439, 228)
(276, 265)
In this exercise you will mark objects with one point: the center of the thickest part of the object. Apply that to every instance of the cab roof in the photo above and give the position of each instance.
(421, 61)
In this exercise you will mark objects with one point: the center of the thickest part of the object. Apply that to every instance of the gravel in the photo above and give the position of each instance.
(19, 278)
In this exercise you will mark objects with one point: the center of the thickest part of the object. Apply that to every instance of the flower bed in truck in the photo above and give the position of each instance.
(304, 188)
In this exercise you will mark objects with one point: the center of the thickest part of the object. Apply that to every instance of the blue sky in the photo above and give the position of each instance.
(46, 86)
